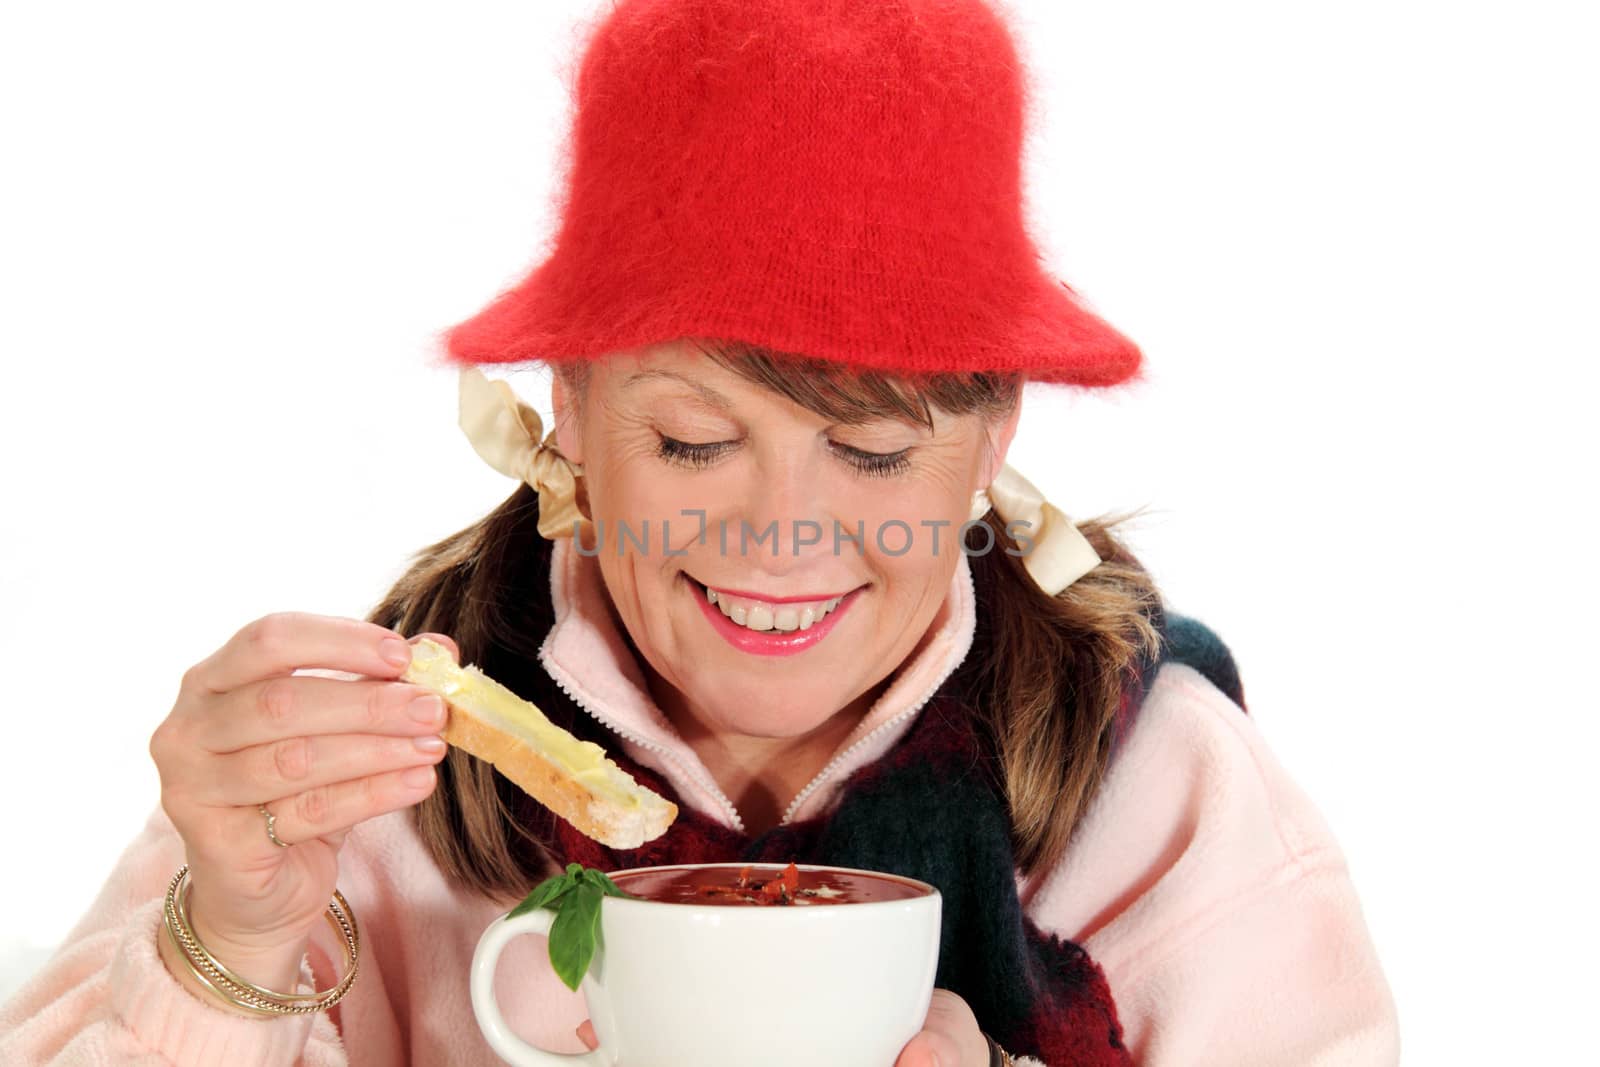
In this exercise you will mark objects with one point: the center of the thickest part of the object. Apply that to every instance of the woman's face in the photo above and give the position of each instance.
(665, 432)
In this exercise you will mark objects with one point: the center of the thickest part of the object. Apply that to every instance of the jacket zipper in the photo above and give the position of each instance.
(841, 757)
(560, 677)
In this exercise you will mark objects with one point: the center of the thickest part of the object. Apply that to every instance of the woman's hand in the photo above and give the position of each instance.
(950, 1036)
(323, 754)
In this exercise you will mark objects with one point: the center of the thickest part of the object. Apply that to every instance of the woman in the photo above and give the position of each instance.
(790, 310)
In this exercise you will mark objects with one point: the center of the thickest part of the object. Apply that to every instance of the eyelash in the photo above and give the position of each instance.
(873, 464)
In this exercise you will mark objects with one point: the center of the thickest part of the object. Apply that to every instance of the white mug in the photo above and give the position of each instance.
(716, 985)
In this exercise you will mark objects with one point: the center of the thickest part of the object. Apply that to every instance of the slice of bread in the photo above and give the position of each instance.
(572, 778)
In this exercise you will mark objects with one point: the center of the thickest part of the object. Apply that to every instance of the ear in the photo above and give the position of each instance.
(565, 410)
(1000, 436)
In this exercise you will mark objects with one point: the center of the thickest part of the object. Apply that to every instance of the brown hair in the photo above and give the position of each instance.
(1047, 678)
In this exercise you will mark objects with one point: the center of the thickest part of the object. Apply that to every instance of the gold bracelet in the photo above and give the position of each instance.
(239, 991)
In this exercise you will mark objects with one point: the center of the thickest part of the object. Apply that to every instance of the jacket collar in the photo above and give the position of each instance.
(587, 656)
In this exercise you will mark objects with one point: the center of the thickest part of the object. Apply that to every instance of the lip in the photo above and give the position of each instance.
(773, 599)
(768, 642)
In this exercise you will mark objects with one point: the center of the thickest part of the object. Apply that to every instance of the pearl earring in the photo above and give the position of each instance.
(980, 505)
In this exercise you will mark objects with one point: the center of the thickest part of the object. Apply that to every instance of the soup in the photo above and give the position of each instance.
(754, 886)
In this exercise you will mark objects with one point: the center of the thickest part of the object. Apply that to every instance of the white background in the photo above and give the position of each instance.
(1357, 243)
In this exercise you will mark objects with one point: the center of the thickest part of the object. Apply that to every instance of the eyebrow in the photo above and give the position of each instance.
(705, 392)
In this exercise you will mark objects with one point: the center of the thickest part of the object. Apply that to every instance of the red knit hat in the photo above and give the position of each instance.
(837, 179)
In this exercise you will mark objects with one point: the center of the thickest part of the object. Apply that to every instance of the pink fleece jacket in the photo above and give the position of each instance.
(1202, 880)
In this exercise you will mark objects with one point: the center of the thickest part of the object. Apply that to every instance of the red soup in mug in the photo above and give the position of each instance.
(755, 885)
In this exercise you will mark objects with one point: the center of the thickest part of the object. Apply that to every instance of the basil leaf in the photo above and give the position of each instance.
(607, 886)
(594, 877)
(543, 894)
(574, 933)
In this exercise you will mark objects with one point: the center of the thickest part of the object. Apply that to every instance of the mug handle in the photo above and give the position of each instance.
(508, 1045)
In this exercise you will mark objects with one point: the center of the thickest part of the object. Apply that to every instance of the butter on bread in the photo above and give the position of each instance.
(572, 778)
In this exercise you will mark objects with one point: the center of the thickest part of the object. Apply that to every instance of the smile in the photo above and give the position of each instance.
(770, 627)
(761, 615)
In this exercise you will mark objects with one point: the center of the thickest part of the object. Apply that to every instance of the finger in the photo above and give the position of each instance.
(929, 1049)
(447, 642)
(299, 765)
(306, 705)
(335, 809)
(587, 1035)
(950, 1032)
(284, 641)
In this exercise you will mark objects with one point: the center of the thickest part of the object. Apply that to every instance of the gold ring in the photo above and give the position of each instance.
(271, 826)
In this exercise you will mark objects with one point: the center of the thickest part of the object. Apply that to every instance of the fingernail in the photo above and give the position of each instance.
(425, 709)
(395, 651)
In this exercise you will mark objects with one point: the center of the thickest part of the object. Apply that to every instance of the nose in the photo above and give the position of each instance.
(781, 522)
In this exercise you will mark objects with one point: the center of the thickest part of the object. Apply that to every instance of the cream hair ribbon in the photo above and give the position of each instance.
(1061, 554)
(506, 432)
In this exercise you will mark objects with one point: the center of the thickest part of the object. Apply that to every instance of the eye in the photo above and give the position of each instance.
(699, 455)
(876, 464)
(687, 454)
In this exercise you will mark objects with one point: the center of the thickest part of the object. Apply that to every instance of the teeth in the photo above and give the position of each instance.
(783, 618)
